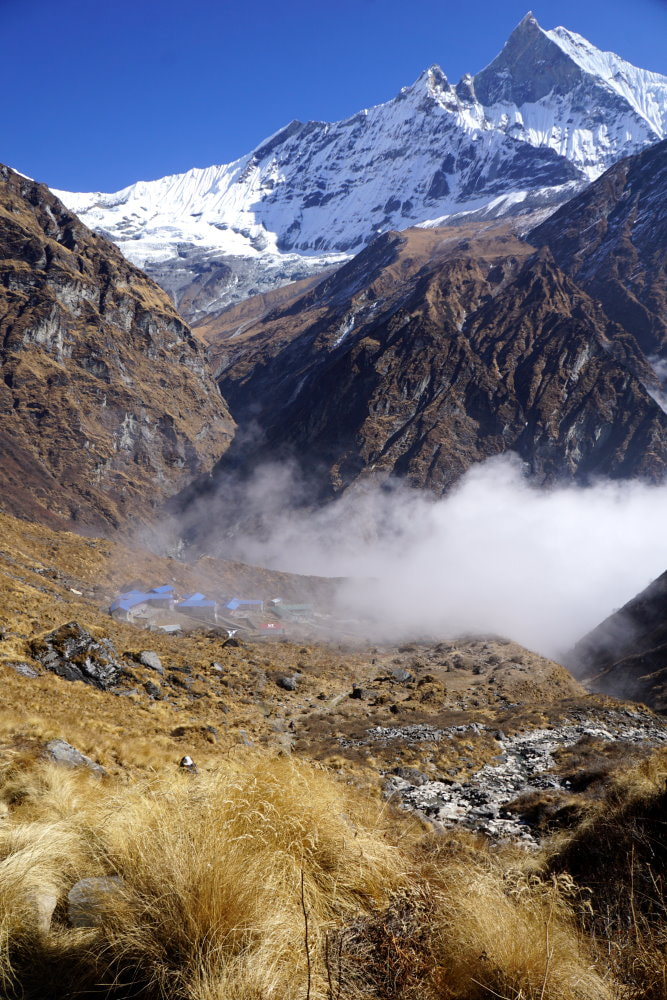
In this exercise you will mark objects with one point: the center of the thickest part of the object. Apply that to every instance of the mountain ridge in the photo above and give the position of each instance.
(107, 402)
(314, 192)
(429, 352)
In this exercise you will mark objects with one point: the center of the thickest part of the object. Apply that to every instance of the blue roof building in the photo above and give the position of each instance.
(241, 604)
(158, 597)
(198, 606)
(196, 601)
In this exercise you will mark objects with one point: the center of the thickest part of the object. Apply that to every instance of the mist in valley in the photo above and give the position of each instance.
(497, 555)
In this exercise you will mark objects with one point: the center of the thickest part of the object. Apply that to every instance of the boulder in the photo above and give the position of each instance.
(64, 753)
(88, 899)
(150, 659)
(400, 675)
(71, 652)
(288, 683)
(24, 669)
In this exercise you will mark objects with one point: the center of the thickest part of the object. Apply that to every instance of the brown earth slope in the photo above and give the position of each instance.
(433, 350)
(612, 240)
(626, 655)
(106, 400)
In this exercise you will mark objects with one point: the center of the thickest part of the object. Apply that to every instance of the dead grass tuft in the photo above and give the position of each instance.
(268, 878)
(619, 858)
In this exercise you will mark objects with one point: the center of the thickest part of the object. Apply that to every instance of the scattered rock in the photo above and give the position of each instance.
(150, 659)
(89, 898)
(526, 765)
(71, 652)
(24, 669)
(64, 753)
(288, 683)
(153, 690)
(412, 775)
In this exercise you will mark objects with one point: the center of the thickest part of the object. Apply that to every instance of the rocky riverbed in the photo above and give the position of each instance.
(526, 764)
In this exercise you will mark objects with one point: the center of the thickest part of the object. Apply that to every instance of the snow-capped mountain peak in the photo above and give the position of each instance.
(548, 114)
(536, 64)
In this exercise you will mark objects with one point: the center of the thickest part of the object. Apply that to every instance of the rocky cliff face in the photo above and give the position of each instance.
(627, 654)
(550, 113)
(106, 400)
(612, 237)
(431, 351)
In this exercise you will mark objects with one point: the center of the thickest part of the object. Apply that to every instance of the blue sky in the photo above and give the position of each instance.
(99, 95)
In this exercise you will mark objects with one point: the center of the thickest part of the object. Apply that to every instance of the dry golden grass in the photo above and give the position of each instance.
(267, 878)
(618, 855)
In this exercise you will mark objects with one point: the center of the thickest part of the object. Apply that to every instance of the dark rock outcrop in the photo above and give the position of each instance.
(432, 351)
(612, 240)
(71, 652)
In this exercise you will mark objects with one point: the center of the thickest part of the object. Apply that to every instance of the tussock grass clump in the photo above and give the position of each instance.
(268, 878)
(221, 874)
(619, 857)
(475, 924)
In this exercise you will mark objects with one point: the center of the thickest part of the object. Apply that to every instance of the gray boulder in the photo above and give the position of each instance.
(24, 669)
(71, 652)
(288, 683)
(151, 660)
(89, 898)
(64, 753)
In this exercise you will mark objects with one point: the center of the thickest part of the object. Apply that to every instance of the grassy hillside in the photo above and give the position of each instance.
(278, 870)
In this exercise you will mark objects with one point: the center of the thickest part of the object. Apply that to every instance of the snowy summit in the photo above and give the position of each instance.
(547, 115)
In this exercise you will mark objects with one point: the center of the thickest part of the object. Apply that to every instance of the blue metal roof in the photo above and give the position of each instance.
(131, 598)
(197, 601)
(165, 589)
(236, 602)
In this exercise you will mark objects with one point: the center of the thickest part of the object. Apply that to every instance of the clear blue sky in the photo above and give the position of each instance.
(100, 93)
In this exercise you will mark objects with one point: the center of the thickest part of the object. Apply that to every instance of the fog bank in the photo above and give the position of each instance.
(497, 555)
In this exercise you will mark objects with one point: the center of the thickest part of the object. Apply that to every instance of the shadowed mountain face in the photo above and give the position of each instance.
(626, 655)
(106, 400)
(611, 239)
(433, 350)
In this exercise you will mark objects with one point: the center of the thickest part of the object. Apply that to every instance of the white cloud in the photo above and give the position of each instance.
(497, 555)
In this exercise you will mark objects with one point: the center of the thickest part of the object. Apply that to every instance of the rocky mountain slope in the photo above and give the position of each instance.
(626, 655)
(550, 113)
(611, 239)
(106, 399)
(433, 350)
